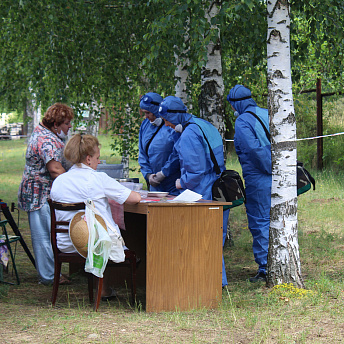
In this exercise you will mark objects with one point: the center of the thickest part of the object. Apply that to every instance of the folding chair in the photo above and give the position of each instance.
(7, 240)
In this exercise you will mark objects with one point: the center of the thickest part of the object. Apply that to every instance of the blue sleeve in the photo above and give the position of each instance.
(143, 159)
(172, 164)
(192, 159)
(250, 146)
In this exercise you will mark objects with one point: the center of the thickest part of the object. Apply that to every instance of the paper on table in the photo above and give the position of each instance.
(187, 196)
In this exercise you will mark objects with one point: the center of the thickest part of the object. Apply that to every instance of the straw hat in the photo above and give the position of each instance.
(78, 232)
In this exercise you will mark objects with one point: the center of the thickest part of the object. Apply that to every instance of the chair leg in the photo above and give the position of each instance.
(99, 293)
(90, 287)
(13, 263)
(132, 260)
(133, 279)
(56, 282)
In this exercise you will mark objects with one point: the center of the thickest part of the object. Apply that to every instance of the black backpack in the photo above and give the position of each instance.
(304, 179)
(229, 188)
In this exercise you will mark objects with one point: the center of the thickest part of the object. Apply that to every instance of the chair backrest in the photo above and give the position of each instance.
(55, 224)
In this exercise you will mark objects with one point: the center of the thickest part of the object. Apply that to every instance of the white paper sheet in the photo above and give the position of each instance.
(187, 196)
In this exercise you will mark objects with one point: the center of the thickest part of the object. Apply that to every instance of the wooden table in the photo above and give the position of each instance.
(180, 245)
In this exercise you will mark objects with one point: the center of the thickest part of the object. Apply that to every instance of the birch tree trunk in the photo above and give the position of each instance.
(181, 75)
(126, 142)
(93, 119)
(33, 112)
(212, 87)
(283, 258)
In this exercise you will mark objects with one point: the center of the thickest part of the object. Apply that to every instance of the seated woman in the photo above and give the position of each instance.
(83, 182)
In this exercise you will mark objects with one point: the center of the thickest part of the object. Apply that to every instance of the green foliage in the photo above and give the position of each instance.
(333, 120)
(113, 51)
(15, 117)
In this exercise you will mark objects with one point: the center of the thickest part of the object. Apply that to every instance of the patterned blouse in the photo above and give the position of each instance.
(35, 186)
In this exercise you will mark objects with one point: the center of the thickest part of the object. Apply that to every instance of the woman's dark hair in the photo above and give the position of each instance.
(57, 113)
(79, 147)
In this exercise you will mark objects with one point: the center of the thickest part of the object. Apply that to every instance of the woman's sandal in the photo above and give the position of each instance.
(64, 280)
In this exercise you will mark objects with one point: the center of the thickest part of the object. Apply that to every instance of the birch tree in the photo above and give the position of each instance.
(212, 87)
(283, 258)
(181, 75)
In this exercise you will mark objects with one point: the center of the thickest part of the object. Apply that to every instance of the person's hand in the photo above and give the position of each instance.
(156, 179)
(153, 181)
(147, 177)
(159, 177)
(178, 185)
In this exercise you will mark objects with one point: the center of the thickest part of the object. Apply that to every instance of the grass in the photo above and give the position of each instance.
(248, 313)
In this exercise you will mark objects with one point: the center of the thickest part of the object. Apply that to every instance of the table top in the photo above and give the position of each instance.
(142, 207)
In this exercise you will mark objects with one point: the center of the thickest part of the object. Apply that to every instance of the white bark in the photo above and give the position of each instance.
(181, 75)
(283, 259)
(126, 143)
(212, 87)
(33, 112)
(93, 119)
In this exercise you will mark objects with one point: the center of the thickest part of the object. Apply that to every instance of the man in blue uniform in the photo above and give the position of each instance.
(197, 169)
(254, 151)
(159, 167)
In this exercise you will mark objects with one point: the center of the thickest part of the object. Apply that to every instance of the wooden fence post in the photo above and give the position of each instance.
(319, 126)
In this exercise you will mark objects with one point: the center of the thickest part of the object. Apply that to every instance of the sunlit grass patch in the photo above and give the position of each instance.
(287, 291)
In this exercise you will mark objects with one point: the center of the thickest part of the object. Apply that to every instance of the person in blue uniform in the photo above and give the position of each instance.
(197, 169)
(159, 166)
(254, 151)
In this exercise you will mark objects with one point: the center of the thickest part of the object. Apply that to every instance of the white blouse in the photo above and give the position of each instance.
(79, 184)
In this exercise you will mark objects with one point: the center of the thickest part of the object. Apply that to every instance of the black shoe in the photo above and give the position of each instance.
(112, 296)
(260, 277)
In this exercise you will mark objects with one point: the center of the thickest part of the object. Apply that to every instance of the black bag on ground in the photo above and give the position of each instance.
(229, 188)
(304, 179)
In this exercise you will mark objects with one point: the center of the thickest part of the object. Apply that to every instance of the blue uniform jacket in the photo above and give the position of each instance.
(159, 157)
(197, 169)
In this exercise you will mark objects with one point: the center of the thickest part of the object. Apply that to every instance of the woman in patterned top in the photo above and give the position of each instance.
(44, 156)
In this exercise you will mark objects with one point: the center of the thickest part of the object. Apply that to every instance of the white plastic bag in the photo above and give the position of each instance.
(116, 254)
(99, 243)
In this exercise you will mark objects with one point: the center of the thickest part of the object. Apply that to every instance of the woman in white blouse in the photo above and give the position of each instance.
(83, 182)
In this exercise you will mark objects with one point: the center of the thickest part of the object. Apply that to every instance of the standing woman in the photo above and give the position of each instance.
(44, 156)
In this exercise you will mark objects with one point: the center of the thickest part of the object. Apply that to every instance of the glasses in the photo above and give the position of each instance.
(148, 100)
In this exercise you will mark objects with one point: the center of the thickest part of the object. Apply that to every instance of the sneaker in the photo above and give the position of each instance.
(260, 277)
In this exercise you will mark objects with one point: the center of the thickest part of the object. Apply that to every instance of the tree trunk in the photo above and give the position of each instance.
(181, 74)
(93, 119)
(212, 87)
(126, 142)
(34, 114)
(283, 258)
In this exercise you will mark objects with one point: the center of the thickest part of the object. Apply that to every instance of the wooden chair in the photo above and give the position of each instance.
(7, 240)
(60, 257)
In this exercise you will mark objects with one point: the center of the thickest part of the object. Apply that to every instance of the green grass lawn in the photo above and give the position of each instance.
(248, 313)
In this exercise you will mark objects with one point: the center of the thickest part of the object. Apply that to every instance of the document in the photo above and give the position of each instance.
(187, 196)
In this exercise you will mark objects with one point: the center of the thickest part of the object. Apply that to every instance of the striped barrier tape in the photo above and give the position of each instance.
(306, 138)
